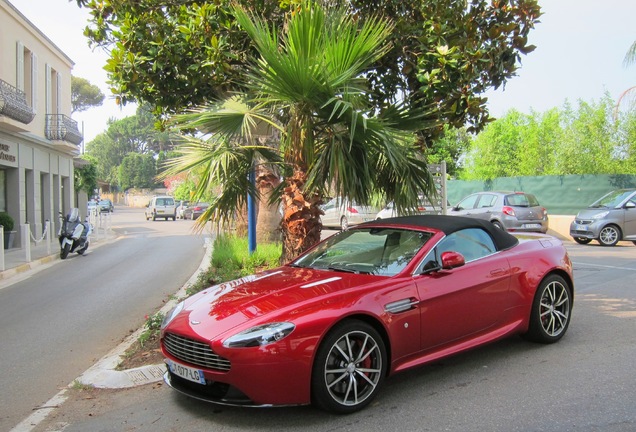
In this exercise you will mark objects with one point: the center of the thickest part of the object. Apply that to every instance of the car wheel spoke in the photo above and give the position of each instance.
(554, 310)
(353, 369)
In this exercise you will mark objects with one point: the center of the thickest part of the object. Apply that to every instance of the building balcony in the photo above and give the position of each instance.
(13, 104)
(62, 128)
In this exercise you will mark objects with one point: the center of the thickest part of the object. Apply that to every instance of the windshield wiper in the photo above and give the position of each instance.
(342, 269)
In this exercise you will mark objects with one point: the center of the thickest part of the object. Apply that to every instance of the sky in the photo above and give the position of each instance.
(581, 45)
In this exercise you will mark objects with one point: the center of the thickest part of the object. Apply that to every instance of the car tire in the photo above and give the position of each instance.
(344, 223)
(353, 352)
(582, 240)
(609, 235)
(551, 310)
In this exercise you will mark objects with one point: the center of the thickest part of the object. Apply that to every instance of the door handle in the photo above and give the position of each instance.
(498, 272)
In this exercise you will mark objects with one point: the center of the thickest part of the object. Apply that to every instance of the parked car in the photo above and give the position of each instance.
(512, 211)
(195, 210)
(161, 207)
(106, 206)
(340, 213)
(91, 206)
(424, 207)
(362, 305)
(181, 206)
(608, 220)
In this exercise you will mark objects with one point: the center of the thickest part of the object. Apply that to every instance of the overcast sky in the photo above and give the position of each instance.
(581, 45)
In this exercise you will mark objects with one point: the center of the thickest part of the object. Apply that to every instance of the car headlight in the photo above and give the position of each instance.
(170, 315)
(260, 335)
(600, 215)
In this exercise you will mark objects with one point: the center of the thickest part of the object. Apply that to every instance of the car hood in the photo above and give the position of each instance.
(589, 213)
(278, 293)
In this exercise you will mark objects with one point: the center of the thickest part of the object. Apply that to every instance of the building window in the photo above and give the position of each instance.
(53, 91)
(3, 191)
(27, 78)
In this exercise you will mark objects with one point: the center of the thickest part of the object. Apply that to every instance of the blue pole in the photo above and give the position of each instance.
(251, 217)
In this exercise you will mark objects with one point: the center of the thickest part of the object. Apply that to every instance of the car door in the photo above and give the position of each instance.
(463, 302)
(466, 206)
(332, 214)
(629, 210)
(485, 207)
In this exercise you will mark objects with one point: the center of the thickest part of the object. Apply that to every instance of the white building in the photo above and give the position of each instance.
(38, 139)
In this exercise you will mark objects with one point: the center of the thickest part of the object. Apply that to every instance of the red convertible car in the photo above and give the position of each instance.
(387, 295)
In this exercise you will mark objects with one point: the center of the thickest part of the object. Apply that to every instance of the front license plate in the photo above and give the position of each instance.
(186, 372)
(159, 211)
(532, 226)
(580, 228)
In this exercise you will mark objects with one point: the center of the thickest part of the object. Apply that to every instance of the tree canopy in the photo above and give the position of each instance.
(183, 53)
(585, 138)
(132, 135)
(84, 95)
(306, 86)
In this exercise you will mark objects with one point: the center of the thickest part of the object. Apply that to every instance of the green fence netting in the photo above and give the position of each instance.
(561, 195)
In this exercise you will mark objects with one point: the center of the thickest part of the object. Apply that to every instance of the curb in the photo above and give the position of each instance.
(103, 374)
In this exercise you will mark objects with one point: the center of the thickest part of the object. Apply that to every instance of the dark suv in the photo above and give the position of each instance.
(513, 211)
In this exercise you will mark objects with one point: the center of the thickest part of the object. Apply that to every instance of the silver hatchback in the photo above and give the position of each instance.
(512, 211)
(610, 219)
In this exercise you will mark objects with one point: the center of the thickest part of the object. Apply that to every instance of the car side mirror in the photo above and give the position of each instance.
(451, 260)
(630, 205)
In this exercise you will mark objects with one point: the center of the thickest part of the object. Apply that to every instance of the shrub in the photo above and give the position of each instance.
(6, 221)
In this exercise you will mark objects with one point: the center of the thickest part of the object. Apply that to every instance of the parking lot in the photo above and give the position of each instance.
(585, 382)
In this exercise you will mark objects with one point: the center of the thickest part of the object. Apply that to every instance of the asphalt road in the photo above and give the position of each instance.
(586, 382)
(56, 323)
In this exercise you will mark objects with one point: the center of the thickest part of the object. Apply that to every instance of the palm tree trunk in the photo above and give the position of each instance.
(269, 217)
(301, 226)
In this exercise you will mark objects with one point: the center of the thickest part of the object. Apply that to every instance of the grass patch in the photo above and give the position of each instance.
(231, 260)
(78, 385)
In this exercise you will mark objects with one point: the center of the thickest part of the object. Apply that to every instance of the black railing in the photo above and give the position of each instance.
(62, 128)
(13, 103)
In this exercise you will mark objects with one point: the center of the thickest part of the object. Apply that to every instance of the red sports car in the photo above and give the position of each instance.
(385, 296)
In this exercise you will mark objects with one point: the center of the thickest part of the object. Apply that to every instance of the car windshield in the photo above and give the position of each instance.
(378, 251)
(612, 199)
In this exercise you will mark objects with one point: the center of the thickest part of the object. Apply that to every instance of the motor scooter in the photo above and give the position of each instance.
(73, 234)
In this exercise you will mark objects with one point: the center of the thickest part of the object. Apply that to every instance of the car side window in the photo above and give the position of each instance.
(468, 203)
(472, 243)
(487, 200)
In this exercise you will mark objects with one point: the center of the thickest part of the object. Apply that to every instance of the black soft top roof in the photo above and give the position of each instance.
(450, 224)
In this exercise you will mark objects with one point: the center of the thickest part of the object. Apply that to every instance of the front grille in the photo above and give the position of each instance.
(582, 221)
(194, 352)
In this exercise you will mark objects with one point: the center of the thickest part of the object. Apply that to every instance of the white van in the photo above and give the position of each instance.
(161, 207)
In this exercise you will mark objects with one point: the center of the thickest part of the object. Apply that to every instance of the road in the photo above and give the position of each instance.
(586, 382)
(55, 324)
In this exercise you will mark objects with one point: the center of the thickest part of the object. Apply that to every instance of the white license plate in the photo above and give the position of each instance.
(186, 372)
(532, 226)
(580, 228)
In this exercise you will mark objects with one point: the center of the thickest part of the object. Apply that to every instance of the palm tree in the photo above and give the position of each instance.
(308, 85)
(630, 58)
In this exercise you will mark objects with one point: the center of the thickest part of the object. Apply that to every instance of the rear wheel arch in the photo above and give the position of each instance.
(566, 277)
